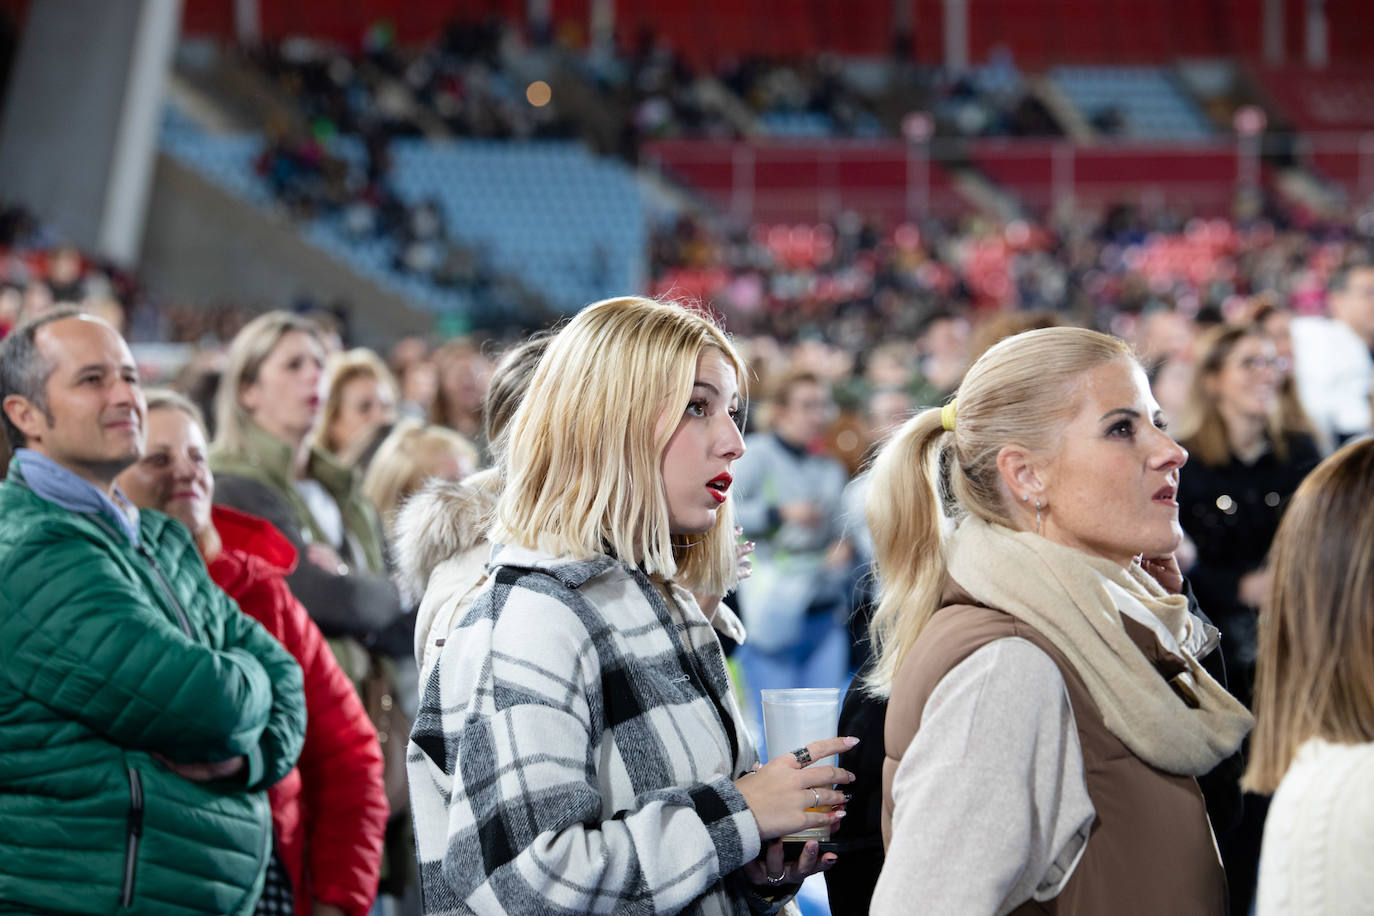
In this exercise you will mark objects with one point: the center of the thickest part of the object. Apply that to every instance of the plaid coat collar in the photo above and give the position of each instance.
(569, 571)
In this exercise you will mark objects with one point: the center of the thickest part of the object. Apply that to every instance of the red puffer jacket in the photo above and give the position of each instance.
(330, 812)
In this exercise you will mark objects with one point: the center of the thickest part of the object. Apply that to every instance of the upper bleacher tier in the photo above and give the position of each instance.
(569, 226)
(1138, 103)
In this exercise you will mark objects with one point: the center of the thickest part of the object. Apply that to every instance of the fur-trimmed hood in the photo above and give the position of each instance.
(441, 553)
(442, 520)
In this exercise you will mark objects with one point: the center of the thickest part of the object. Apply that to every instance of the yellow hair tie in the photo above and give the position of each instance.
(948, 414)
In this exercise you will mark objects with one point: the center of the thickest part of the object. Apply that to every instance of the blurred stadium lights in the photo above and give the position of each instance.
(538, 93)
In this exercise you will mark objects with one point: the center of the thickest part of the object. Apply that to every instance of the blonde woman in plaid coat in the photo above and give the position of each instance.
(578, 748)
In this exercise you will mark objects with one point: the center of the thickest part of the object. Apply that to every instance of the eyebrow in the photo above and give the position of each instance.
(105, 367)
(712, 388)
(1157, 417)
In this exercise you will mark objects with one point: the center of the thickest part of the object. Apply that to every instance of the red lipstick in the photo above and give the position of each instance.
(718, 486)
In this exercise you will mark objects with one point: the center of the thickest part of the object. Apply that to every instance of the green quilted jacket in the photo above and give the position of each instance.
(111, 654)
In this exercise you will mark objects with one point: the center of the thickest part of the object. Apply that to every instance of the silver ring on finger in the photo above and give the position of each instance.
(775, 881)
(817, 796)
(803, 756)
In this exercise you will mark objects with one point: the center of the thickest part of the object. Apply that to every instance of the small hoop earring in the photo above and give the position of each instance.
(1038, 506)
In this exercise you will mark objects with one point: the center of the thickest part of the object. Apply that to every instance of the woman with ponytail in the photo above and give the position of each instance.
(1047, 710)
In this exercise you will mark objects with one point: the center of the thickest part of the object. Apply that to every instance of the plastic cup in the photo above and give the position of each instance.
(793, 719)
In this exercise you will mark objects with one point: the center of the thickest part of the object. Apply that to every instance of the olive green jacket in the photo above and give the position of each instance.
(261, 481)
(269, 461)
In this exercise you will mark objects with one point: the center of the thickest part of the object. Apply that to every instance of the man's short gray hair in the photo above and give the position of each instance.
(24, 371)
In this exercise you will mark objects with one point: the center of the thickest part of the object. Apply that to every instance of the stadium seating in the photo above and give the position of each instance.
(570, 225)
(1152, 107)
(796, 124)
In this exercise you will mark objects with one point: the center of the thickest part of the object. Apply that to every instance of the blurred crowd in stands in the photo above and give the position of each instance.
(326, 156)
(1257, 338)
(472, 81)
(990, 101)
(820, 96)
(850, 289)
(38, 269)
(460, 85)
(854, 282)
(1256, 334)
(331, 159)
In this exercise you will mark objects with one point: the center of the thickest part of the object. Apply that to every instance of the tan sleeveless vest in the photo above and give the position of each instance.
(1151, 850)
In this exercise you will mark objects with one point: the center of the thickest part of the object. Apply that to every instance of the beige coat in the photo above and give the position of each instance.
(1150, 849)
(441, 553)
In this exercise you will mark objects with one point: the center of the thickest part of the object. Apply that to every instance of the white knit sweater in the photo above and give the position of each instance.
(1318, 855)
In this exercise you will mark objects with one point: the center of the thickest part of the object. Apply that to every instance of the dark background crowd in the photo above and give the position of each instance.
(1255, 324)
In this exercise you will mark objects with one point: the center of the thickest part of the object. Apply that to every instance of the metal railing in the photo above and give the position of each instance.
(816, 180)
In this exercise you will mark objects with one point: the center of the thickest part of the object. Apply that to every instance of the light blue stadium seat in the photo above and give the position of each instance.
(546, 212)
(1151, 104)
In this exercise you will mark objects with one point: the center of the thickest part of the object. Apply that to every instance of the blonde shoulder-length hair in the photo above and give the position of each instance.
(1314, 675)
(340, 370)
(410, 455)
(247, 351)
(583, 456)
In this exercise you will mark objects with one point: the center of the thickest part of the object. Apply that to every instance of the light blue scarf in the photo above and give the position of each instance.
(60, 486)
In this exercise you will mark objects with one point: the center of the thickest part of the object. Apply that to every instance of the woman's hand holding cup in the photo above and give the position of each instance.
(770, 868)
(780, 792)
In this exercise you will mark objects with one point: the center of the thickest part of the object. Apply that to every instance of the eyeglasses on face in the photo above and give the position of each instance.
(1256, 363)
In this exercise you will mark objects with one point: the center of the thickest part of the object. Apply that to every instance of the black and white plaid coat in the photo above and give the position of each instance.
(575, 751)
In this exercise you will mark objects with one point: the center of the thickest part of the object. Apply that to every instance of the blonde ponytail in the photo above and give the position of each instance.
(1020, 392)
(905, 518)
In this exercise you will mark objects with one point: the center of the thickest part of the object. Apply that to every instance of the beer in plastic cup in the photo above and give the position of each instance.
(793, 719)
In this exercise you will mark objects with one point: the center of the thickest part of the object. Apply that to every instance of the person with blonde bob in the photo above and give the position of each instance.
(359, 406)
(1047, 710)
(412, 454)
(1313, 746)
(578, 747)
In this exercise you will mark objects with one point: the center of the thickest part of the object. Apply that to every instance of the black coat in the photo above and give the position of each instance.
(1231, 513)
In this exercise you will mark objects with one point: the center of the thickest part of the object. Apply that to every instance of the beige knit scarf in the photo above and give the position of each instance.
(1074, 600)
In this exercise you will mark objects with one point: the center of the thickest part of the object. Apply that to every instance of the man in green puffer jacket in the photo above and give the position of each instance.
(142, 716)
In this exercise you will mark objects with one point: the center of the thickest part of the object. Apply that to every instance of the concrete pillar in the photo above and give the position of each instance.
(247, 22)
(1318, 39)
(956, 34)
(1273, 32)
(79, 136)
